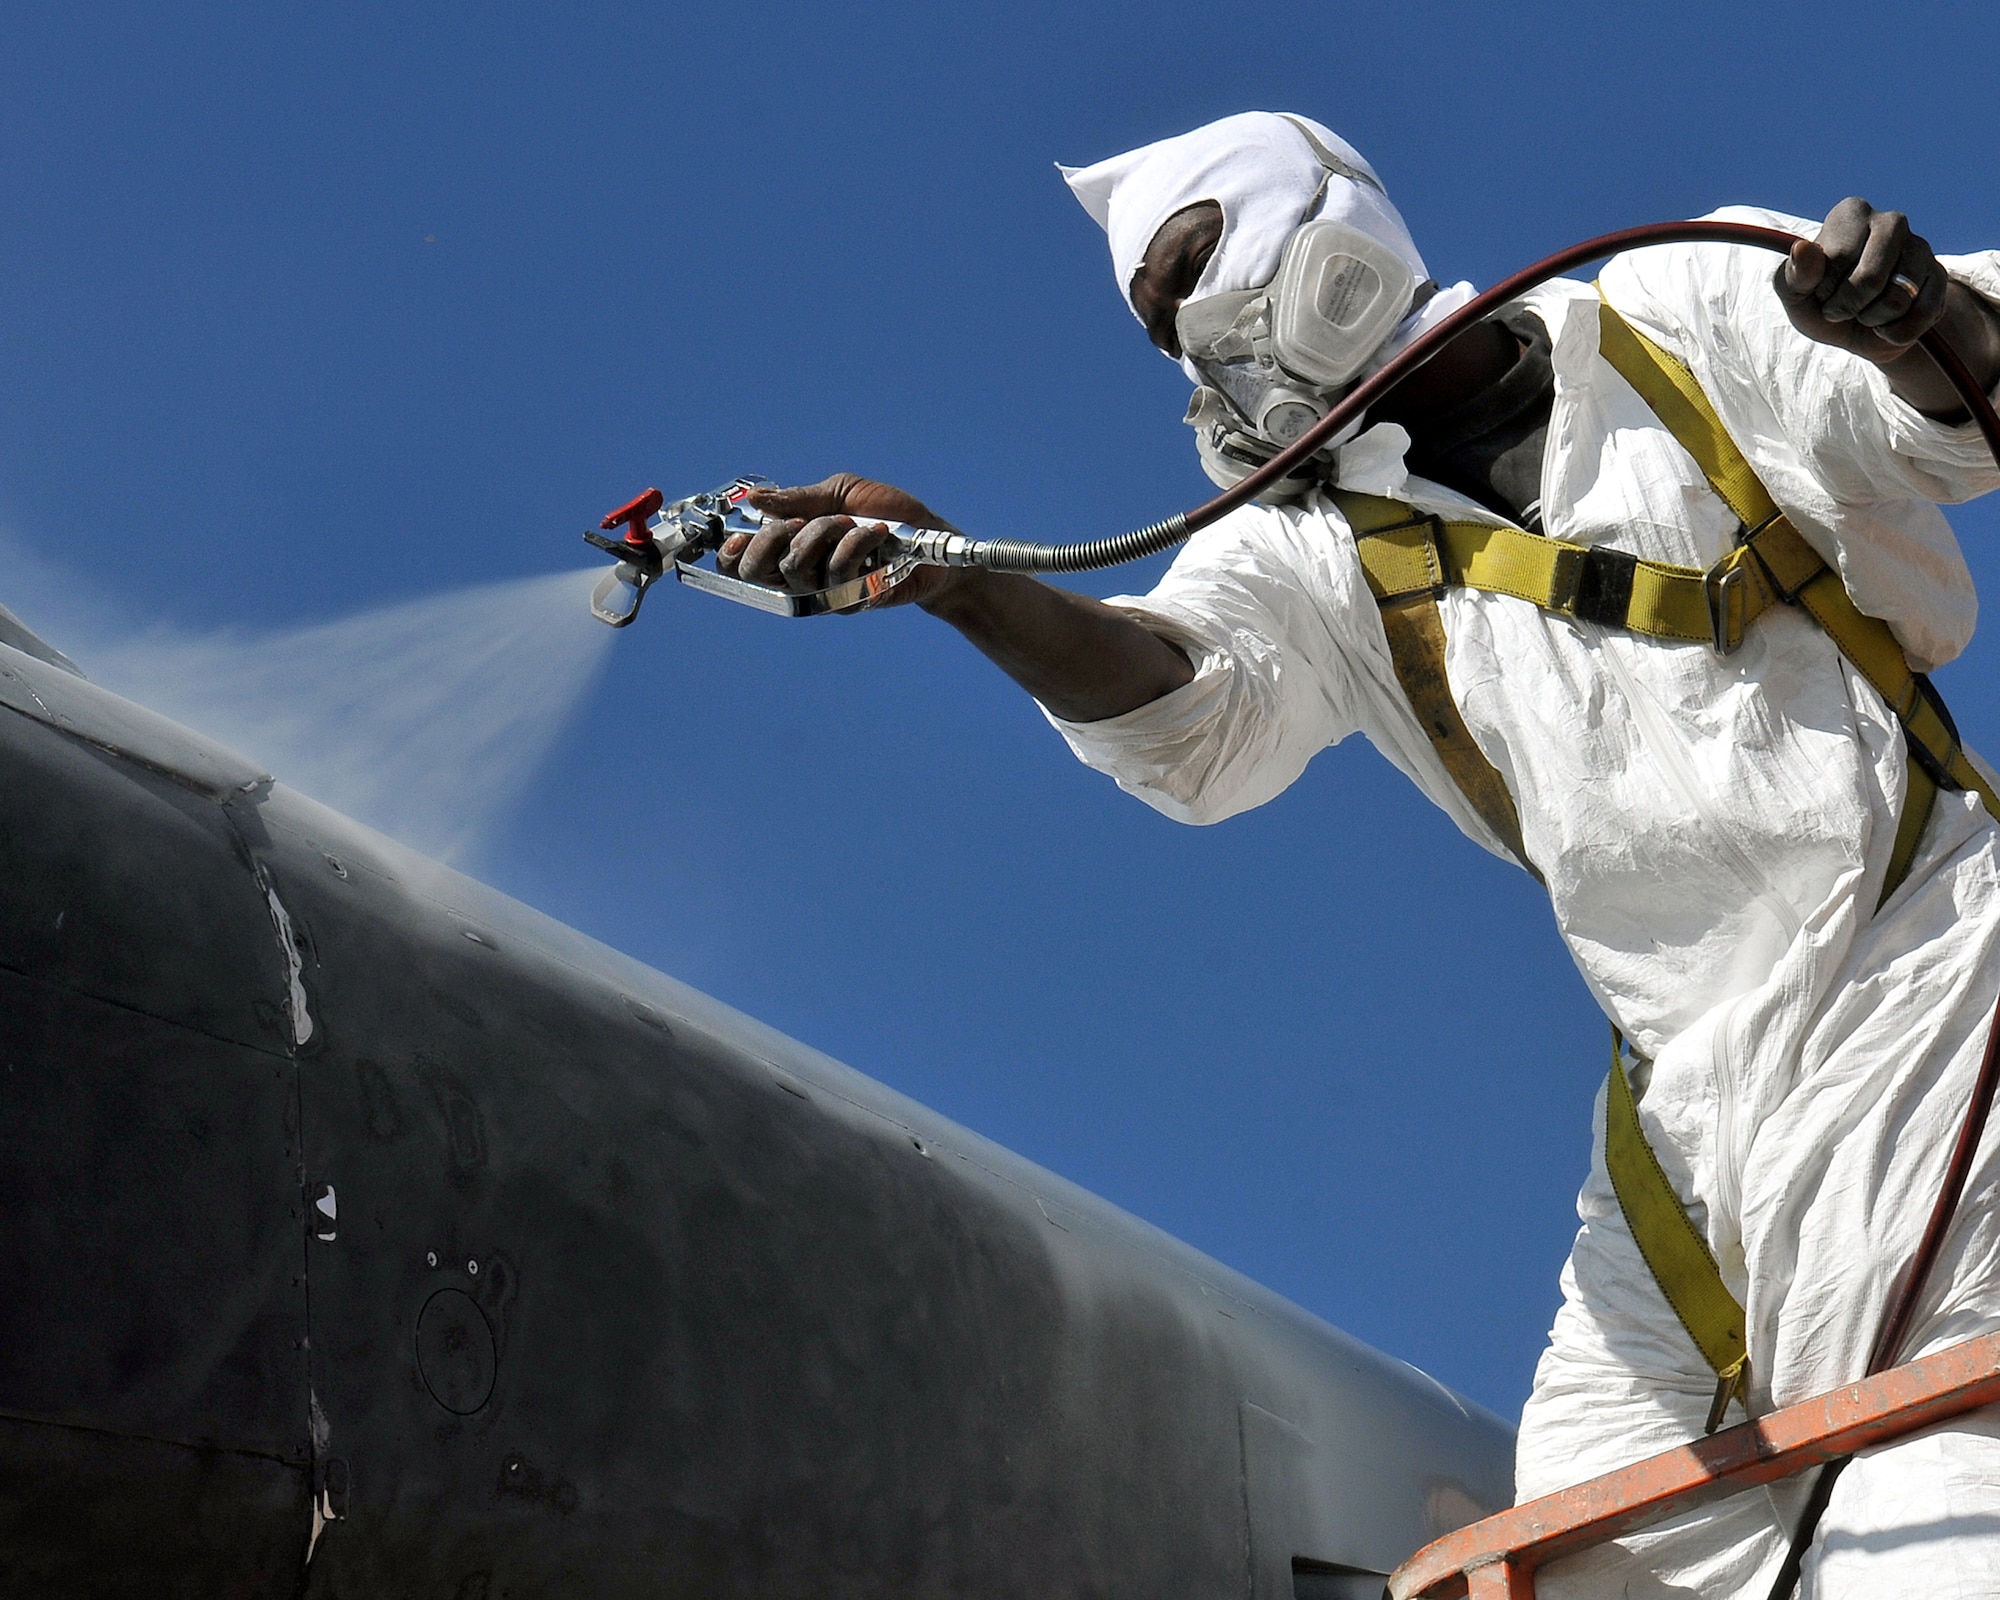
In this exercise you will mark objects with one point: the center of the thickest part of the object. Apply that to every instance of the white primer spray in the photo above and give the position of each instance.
(426, 718)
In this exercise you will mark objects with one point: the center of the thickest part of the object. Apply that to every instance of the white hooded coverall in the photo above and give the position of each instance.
(1714, 833)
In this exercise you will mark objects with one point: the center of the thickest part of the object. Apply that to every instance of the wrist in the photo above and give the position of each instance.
(954, 594)
(1972, 324)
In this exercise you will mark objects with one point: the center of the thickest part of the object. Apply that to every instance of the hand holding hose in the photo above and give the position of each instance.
(1871, 286)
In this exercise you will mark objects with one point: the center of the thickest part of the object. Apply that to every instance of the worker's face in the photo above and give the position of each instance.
(1172, 266)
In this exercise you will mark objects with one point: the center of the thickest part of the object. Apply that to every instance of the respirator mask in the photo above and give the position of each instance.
(1273, 360)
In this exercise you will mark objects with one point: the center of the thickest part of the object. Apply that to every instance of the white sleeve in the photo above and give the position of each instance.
(1259, 603)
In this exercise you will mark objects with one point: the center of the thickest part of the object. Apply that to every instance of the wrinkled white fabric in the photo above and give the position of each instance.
(1714, 832)
(1260, 168)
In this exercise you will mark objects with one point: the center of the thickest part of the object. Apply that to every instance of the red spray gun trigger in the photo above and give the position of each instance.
(633, 515)
(637, 551)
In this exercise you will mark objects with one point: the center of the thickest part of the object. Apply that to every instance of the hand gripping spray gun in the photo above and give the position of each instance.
(659, 535)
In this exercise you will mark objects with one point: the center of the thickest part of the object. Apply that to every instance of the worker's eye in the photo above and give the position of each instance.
(1192, 267)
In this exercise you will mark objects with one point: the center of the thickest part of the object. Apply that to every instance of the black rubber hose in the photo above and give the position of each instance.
(1019, 555)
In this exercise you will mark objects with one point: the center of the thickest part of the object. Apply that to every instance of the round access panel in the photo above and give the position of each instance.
(455, 1351)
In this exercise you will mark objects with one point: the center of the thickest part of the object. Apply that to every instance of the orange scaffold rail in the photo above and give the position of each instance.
(1496, 1559)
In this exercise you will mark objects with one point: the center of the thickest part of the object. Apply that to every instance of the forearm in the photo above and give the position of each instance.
(1077, 656)
(1971, 325)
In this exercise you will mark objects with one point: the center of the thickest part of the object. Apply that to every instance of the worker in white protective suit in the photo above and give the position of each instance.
(1715, 829)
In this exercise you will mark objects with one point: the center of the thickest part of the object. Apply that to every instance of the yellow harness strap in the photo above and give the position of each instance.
(1920, 792)
(1406, 580)
(1426, 555)
(1675, 1252)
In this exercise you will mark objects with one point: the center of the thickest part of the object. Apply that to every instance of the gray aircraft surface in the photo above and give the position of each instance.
(365, 1234)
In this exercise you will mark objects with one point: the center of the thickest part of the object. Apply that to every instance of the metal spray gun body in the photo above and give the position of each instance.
(660, 537)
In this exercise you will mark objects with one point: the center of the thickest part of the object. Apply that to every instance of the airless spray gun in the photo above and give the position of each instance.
(658, 535)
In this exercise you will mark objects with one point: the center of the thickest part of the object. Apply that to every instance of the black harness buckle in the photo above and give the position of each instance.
(1604, 586)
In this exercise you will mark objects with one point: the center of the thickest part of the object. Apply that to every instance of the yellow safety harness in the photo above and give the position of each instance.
(1410, 559)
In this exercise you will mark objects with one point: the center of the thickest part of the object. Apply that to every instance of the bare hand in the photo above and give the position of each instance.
(1867, 284)
(821, 534)
(1076, 655)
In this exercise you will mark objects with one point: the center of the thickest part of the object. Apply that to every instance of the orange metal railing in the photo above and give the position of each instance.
(1496, 1559)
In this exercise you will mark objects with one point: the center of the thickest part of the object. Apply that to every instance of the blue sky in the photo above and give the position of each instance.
(308, 310)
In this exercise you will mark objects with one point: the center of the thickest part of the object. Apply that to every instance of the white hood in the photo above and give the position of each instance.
(1264, 168)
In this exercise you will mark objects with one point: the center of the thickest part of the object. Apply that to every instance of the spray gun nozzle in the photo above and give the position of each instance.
(638, 554)
(642, 552)
(616, 598)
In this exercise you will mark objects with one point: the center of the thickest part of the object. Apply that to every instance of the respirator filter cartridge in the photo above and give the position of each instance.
(1338, 296)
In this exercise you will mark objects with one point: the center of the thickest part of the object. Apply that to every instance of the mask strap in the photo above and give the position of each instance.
(1319, 195)
(1333, 164)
